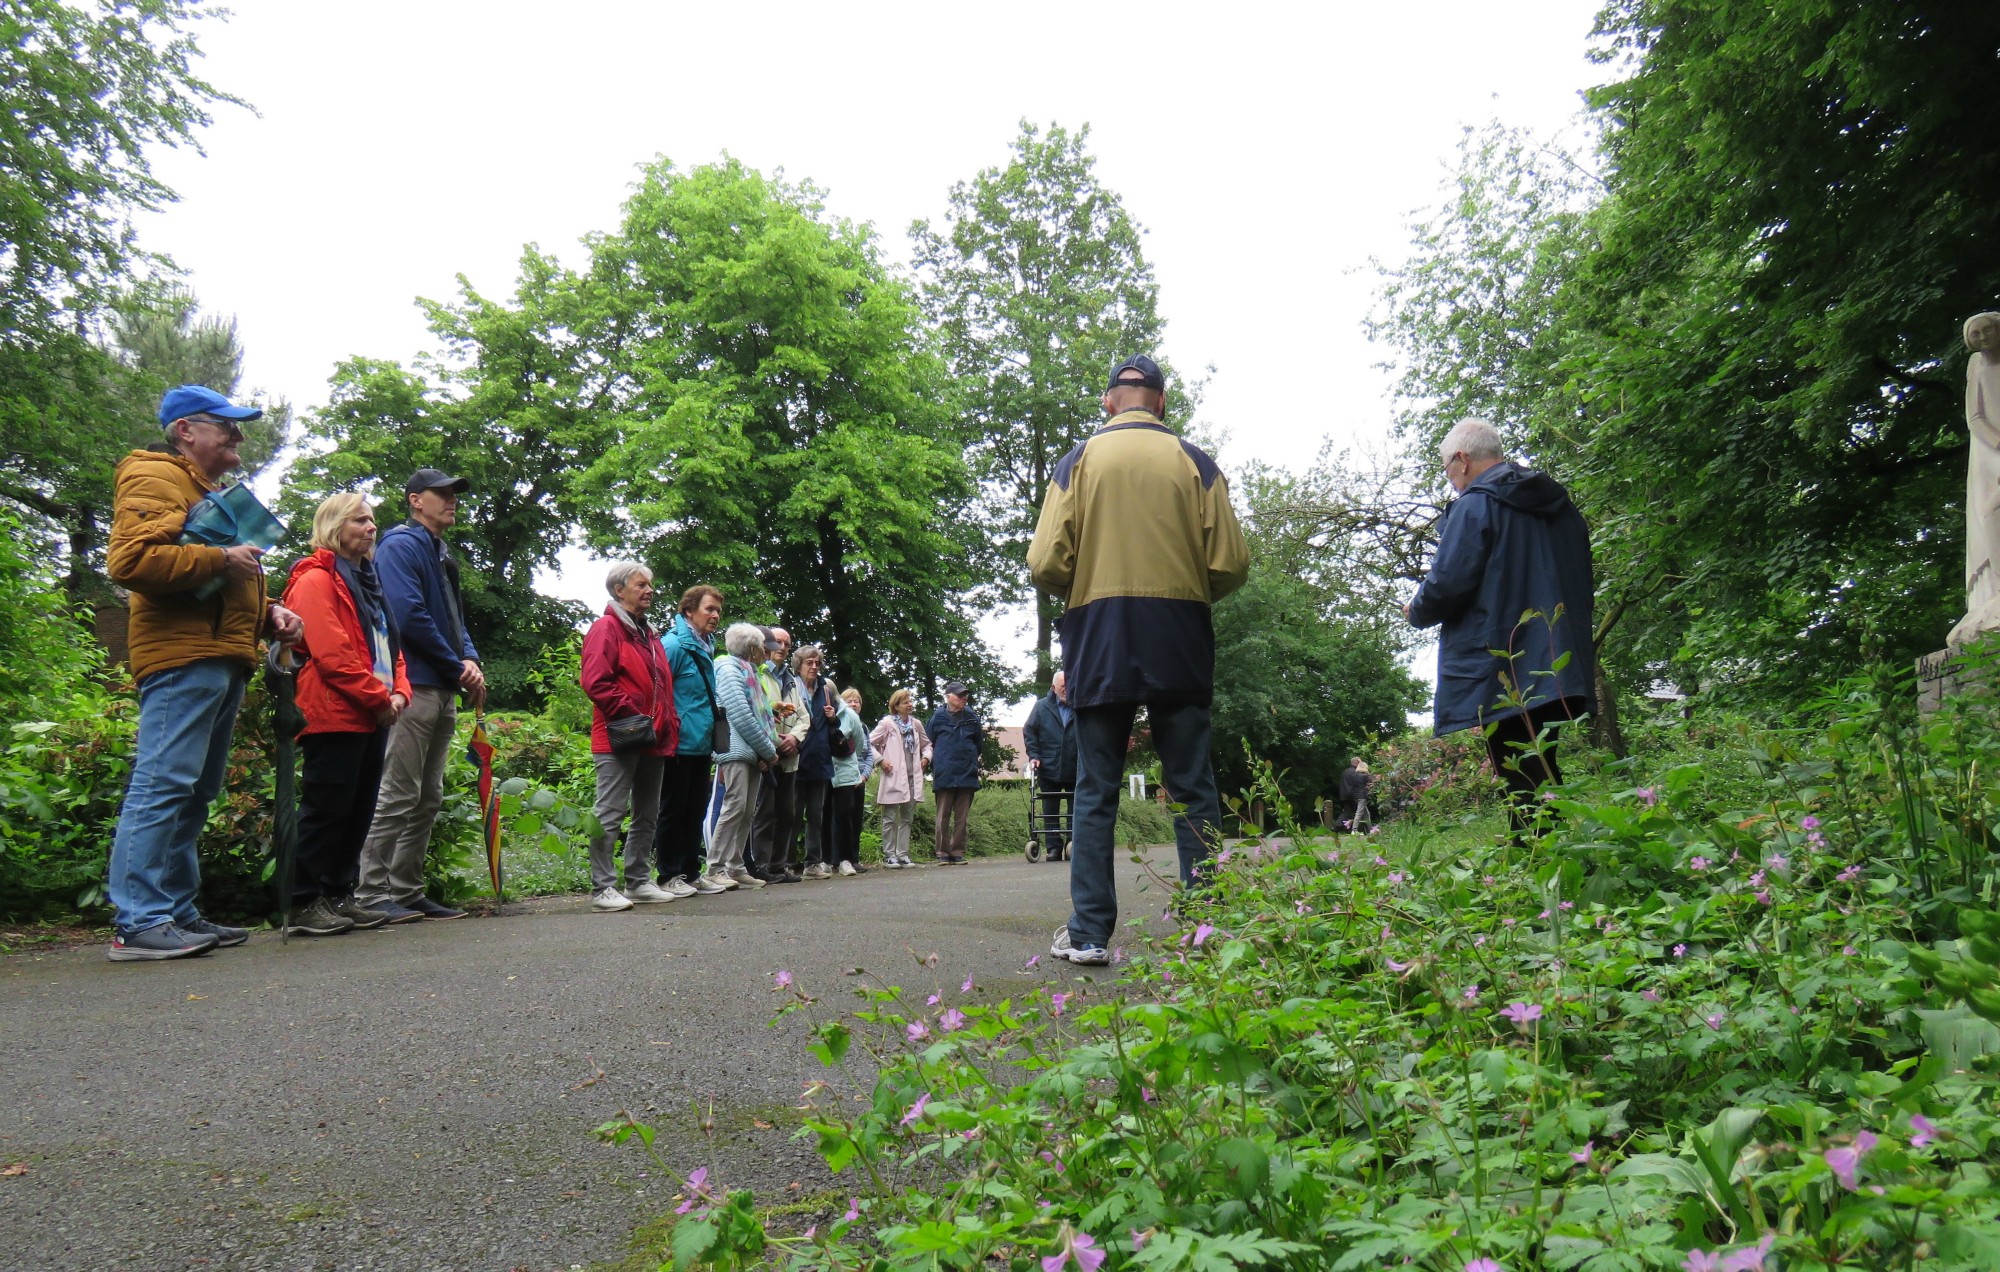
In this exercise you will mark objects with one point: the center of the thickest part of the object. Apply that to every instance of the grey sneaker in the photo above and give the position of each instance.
(318, 919)
(1087, 954)
(155, 943)
(222, 932)
(679, 887)
(650, 893)
(742, 878)
(706, 886)
(364, 918)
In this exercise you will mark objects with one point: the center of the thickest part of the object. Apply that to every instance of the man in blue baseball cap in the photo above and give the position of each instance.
(191, 655)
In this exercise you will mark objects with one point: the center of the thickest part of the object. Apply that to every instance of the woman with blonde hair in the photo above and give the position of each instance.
(850, 783)
(351, 688)
(902, 752)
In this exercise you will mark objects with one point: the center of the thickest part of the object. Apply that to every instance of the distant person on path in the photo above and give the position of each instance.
(634, 729)
(956, 732)
(191, 656)
(420, 579)
(813, 725)
(690, 646)
(850, 783)
(352, 685)
(1511, 544)
(1138, 537)
(902, 749)
(1353, 794)
(1050, 738)
(753, 747)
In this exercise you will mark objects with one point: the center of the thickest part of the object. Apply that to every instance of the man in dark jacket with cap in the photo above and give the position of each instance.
(1137, 536)
(955, 732)
(1511, 544)
(420, 583)
(1050, 736)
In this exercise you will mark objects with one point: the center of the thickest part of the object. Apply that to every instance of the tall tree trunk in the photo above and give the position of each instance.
(1604, 730)
(83, 581)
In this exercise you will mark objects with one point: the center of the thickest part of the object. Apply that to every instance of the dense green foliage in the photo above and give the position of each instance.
(1682, 1030)
(1739, 342)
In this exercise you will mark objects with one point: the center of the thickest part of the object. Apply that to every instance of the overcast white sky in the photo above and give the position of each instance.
(1269, 150)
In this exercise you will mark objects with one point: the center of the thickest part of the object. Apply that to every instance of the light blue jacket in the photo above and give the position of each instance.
(853, 770)
(751, 736)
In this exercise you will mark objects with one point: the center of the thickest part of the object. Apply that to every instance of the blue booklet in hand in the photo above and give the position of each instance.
(229, 517)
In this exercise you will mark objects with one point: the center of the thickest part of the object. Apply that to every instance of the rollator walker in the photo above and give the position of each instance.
(1048, 833)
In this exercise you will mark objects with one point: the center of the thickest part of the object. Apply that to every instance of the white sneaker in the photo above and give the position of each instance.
(679, 887)
(892, 864)
(742, 878)
(818, 870)
(709, 886)
(650, 893)
(1088, 955)
(847, 868)
(609, 899)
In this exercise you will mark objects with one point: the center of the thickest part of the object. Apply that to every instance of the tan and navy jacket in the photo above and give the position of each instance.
(1137, 536)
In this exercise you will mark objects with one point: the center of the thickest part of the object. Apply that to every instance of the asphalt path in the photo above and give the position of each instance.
(421, 1097)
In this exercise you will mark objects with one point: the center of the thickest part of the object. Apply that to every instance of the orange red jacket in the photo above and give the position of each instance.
(338, 689)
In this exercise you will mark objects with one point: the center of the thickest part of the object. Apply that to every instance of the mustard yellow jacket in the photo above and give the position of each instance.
(152, 493)
(1138, 538)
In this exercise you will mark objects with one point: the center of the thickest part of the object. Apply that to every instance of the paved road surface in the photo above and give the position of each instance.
(420, 1097)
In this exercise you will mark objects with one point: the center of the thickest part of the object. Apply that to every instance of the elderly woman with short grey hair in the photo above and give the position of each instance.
(753, 746)
(634, 727)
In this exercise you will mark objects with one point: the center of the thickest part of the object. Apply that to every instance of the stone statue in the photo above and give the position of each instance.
(1982, 480)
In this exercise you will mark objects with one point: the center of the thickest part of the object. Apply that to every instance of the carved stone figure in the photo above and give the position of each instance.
(1982, 480)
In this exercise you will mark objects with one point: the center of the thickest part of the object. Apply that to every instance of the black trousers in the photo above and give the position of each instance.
(774, 835)
(343, 772)
(815, 794)
(850, 811)
(1054, 826)
(1522, 748)
(684, 792)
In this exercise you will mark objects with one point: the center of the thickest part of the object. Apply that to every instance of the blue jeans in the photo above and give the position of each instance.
(186, 715)
(1181, 736)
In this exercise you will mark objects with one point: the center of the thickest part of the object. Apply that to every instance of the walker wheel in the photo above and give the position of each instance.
(1034, 850)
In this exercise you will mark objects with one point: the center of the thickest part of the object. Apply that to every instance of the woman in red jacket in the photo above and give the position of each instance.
(633, 729)
(351, 689)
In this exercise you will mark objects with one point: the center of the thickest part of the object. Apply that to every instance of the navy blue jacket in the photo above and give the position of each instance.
(419, 581)
(955, 749)
(1512, 543)
(816, 749)
(1052, 742)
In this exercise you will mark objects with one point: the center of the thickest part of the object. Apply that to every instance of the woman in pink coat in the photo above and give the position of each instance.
(902, 752)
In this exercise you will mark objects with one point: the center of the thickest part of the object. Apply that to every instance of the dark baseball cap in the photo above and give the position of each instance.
(432, 479)
(1149, 373)
(955, 687)
(193, 399)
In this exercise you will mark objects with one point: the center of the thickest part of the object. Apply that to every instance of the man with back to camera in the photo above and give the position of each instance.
(191, 657)
(1512, 543)
(1138, 538)
(420, 582)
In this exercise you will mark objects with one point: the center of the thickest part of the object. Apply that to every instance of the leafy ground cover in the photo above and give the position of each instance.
(1711, 1019)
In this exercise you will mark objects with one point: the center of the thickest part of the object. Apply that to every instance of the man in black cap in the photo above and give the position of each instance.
(955, 732)
(1138, 538)
(420, 582)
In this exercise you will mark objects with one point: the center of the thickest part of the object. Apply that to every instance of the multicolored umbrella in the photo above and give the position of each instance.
(481, 752)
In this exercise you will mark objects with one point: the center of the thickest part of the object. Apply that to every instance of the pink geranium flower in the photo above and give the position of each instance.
(916, 1110)
(1057, 1002)
(1845, 1161)
(917, 1031)
(1081, 1247)
(1522, 1014)
(1483, 1265)
(783, 980)
(1924, 1131)
(1202, 933)
(952, 1021)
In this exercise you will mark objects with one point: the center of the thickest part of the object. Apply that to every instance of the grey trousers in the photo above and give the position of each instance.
(739, 780)
(392, 860)
(629, 781)
(953, 806)
(896, 820)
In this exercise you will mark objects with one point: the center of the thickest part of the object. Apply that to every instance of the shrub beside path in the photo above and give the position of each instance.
(423, 1096)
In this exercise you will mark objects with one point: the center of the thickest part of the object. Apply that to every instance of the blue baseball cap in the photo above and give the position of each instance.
(194, 399)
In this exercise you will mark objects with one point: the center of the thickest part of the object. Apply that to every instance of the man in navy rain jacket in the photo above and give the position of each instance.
(1512, 586)
(955, 731)
(420, 582)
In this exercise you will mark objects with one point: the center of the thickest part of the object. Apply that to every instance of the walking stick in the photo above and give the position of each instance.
(280, 681)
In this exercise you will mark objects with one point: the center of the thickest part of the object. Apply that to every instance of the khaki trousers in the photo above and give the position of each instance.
(392, 861)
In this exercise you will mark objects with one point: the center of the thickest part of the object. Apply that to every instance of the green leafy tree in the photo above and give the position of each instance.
(1743, 354)
(1309, 667)
(781, 429)
(1036, 286)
